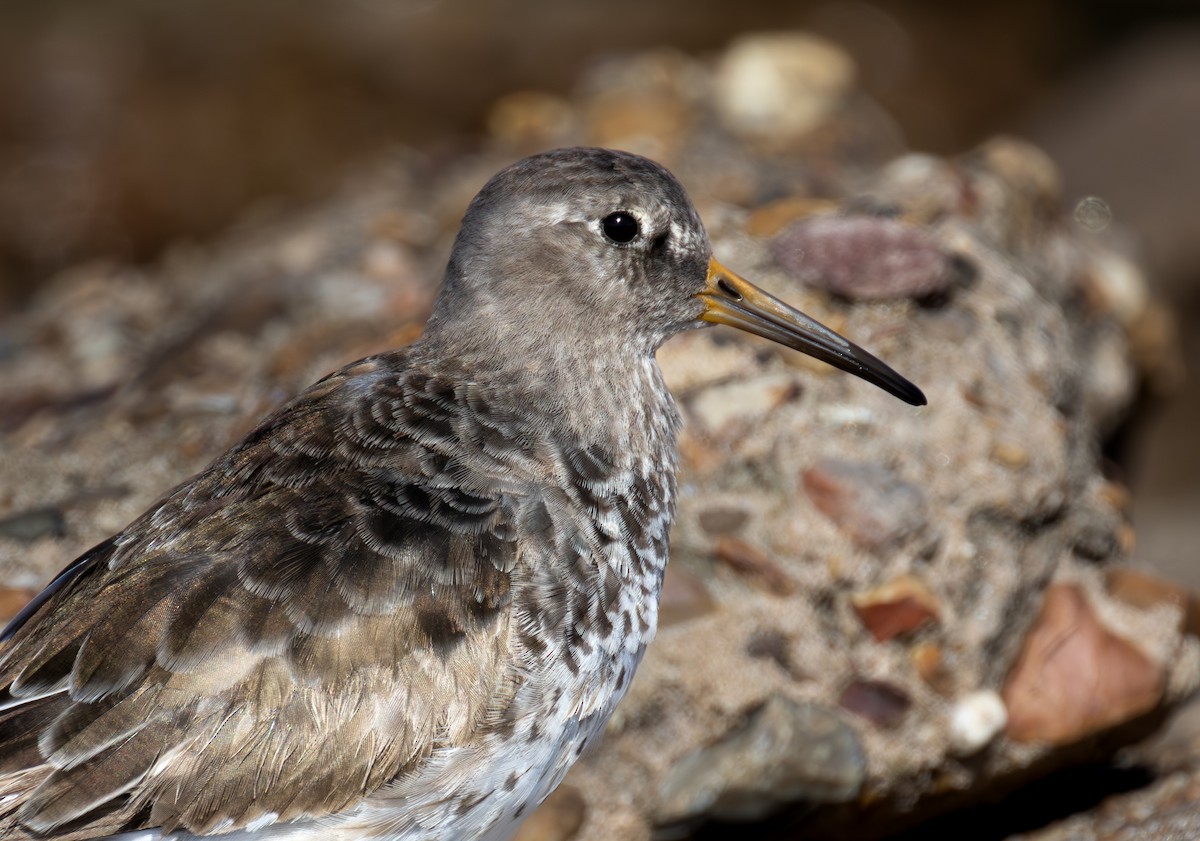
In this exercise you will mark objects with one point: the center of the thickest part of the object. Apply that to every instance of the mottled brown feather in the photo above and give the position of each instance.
(280, 624)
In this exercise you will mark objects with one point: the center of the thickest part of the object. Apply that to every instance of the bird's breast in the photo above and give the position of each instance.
(587, 597)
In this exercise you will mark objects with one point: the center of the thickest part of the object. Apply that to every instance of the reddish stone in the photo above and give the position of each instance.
(866, 258)
(927, 659)
(752, 562)
(898, 607)
(1074, 677)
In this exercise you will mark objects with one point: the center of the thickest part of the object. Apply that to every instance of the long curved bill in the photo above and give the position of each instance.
(732, 300)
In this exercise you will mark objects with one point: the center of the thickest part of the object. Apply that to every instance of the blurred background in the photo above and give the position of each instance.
(131, 125)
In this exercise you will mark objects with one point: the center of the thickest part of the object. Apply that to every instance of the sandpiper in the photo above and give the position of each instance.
(409, 599)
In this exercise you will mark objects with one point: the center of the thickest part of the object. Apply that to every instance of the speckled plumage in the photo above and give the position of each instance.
(403, 605)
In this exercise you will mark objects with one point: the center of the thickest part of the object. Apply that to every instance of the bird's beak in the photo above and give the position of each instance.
(729, 299)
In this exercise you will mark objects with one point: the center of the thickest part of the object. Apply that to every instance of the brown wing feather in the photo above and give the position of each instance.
(283, 634)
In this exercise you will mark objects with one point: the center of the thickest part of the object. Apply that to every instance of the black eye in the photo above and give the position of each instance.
(620, 226)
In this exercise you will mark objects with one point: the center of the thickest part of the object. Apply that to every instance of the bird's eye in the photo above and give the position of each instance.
(620, 227)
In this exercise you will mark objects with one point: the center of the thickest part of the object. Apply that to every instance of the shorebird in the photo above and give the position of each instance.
(405, 603)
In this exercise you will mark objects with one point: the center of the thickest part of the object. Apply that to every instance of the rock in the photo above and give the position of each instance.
(750, 561)
(783, 753)
(1026, 171)
(1097, 536)
(1010, 454)
(684, 596)
(33, 524)
(1114, 495)
(1074, 677)
(866, 258)
(770, 645)
(927, 659)
(975, 720)
(722, 520)
(874, 506)
(925, 188)
(558, 818)
(742, 401)
(898, 607)
(780, 86)
(878, 702)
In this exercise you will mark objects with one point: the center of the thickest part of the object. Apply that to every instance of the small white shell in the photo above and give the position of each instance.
(975, 720)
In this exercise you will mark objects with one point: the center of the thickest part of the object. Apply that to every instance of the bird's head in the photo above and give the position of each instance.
(605, 248)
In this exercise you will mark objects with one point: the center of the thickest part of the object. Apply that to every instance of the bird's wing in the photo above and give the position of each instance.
(280, 636)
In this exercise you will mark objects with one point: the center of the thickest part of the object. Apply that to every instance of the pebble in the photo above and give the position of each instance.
(33, 524)
(930, 664)
(770, 644)
(1026, 170)
(720, 406)
(866, 258)
(928, 188)
(975, 720)
(684, 596)
(722, 520)
(1115, 285)
(846, 415)
(880, 703)
(896, 608)
(752, 562)
(780, 86)
(783, 753)
(1010, 454)
(1074, 677)
(869, 502)
(1096, 539)
(1115, 495)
